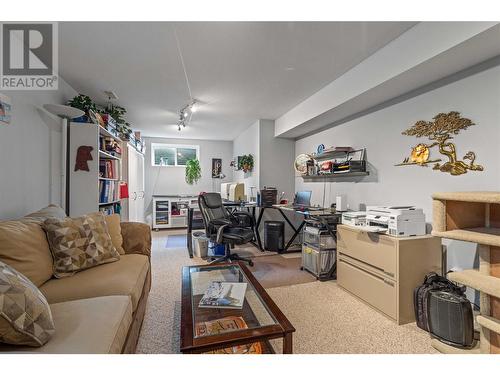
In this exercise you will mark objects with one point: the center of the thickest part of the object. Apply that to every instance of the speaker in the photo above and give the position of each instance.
(450, 318)
(274, 235)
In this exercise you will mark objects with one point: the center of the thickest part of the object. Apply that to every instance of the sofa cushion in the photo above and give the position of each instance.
(25, 316)
(24, 246)
(52, 210)
(79, 243)
(125, 277)
(115, 232)
(87, 326)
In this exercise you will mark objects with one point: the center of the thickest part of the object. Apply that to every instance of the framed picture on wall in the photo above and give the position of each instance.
(216, 168)
(5, 110)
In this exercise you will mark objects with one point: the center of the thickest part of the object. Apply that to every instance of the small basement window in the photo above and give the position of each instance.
(173, 155)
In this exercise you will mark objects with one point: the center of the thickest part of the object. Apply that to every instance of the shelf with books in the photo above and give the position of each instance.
(98, 187)
(106, 155)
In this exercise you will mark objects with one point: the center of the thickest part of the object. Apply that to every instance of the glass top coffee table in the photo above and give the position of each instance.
(230, 330)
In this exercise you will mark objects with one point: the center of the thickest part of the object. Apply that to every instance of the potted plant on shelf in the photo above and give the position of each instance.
(118, 114)
(246, 163)
(193, 171)
(86, 104)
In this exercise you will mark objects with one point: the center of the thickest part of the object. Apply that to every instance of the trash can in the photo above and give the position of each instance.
(274, 235)
(200, 244)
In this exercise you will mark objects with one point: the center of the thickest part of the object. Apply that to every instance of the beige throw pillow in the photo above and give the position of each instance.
(25, 317)
(52, 210)
(79, 243)
(115, 231)
(24, 246)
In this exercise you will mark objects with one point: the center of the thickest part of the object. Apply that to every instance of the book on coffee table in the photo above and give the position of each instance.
(230, 323)
(226, 295)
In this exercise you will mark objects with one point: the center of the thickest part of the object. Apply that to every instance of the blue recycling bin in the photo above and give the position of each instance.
(216, 250)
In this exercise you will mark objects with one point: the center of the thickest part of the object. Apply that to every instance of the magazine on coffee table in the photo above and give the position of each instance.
(225, 295)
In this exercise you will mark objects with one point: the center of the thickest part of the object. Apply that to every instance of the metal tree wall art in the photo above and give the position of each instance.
(440, 132)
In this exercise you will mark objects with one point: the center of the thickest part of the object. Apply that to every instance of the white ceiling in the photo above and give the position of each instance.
(241, 71)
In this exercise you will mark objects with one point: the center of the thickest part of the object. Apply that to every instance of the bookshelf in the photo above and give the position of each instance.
(474, 217)
(98, 188)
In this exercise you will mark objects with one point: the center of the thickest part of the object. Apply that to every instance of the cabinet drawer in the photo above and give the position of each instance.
(380, 251)
(373, 289)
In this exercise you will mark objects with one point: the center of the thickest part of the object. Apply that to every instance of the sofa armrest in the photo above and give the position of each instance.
(136, 238)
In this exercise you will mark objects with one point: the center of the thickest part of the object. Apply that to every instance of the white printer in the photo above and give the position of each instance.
(398, 221)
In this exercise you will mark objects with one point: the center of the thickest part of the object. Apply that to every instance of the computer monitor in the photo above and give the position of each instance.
(303, 198)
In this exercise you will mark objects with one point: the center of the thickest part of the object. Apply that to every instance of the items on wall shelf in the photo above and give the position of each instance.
(440, 132)
(332, 163)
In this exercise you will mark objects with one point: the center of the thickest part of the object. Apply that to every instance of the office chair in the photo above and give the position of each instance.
(224, 228)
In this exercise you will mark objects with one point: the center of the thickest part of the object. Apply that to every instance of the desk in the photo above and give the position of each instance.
(306, 212)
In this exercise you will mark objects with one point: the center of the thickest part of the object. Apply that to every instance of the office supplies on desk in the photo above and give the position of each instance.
(341, 203)
(233, 191)
(268, 196)
(302, 199)
(354, 218)
(398, 221)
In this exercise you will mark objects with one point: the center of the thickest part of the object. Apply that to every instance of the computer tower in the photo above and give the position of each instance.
(274, 235)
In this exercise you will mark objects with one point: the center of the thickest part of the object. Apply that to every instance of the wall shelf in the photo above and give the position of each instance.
(331, 155)
(335, 176)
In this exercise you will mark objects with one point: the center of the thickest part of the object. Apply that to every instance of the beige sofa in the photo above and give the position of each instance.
(101, 309)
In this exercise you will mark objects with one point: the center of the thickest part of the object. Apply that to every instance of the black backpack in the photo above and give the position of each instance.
(432, 282)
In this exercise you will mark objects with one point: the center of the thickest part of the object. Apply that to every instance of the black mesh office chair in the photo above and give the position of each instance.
(225, 228)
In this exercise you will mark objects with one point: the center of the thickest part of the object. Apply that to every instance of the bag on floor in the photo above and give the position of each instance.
(432, 282)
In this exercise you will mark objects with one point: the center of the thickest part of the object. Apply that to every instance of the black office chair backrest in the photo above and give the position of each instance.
(211, 208)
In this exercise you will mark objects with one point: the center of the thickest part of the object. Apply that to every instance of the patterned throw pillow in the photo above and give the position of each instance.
(25, 317)
(79, 243)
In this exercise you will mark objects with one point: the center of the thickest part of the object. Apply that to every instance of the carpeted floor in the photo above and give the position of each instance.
(327, 319)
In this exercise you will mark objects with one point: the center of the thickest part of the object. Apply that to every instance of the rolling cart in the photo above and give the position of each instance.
(319, 246)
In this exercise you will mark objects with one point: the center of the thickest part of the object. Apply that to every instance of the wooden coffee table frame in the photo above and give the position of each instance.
(190, 344)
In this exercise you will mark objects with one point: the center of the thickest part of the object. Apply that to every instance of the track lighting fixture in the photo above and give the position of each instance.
(185, 114)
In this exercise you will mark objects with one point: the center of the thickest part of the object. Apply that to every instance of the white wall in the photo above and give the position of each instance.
(171, 180)
(273, 164)
(477, 97)
(30, 152)
(248, 142)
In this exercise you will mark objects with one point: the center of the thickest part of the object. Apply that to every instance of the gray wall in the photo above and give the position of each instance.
(171, 180)
(477, 97)
(273, 164)
(30, 152)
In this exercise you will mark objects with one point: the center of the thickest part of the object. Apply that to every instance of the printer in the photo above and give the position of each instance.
(233, 191)
(354, 218)
(398, 221)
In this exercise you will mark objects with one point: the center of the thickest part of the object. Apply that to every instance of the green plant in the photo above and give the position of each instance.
(83, 102)
(193, 171)
(246, 163)
(118, 114)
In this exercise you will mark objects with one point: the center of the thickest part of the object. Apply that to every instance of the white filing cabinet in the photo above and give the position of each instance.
(171, 211)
